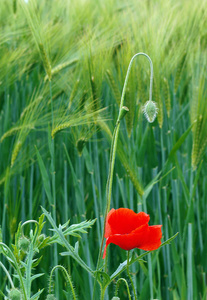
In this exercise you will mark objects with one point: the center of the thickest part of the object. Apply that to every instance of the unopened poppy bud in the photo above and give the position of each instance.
(150, 110)
(15, 294)
(115, 298)
(23, 244)
(123, 112)
(50, 297)
(41, 238)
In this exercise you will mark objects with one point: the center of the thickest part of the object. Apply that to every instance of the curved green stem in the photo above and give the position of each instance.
(116, 130)
(127, 286)
(7, 273)
(28, 222)
(116, 133)
(127, 77)
(67, 277)
(114, 147)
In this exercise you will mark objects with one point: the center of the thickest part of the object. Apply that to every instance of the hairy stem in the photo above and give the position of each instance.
(130, 278)
(67, 278)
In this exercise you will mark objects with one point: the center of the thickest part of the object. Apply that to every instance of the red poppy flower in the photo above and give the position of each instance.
(129, 230)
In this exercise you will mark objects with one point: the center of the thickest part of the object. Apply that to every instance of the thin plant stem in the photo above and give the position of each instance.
(116, 130)
(53, 184)
(130, 278)
(7, 273)
(102, 293)
(113, 151)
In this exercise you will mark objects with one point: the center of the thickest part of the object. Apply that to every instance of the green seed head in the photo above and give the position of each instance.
(15, 294)
(23, 244)
(150, 111)
(50, 297)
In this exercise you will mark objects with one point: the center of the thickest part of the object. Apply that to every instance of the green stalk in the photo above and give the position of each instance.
(116, 130)
(116, 134)
(190, 262)
(31, 190)
(122, 112)
(7, 274)
(102, 293)
(53, 186)
(149, 259)
(130, 278)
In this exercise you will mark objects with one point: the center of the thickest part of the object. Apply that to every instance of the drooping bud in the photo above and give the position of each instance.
(15, 294)
(23, 244)
(150, 110)
(41, 238)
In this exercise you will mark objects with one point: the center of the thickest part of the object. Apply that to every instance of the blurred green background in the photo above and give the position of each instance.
(77, 54)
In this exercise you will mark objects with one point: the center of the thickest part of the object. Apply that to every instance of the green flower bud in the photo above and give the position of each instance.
(41, 238)
(23, 243)
(15, 294)
(115, 298)
(150, 111)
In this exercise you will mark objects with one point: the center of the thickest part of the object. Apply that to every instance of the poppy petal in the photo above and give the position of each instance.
(152, 240)
(124, 220)
(108, 227)
(145, 237)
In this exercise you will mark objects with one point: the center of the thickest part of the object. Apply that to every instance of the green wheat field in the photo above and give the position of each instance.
(62, 70)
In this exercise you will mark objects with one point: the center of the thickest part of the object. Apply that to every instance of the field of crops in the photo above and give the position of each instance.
(70, 152)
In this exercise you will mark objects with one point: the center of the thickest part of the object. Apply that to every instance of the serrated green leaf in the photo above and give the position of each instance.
(75, 235)
(36, 263)
(36, 296)
(119, 270)
(44, 243)
(79, 227)
(33, 277)
(66, 244)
